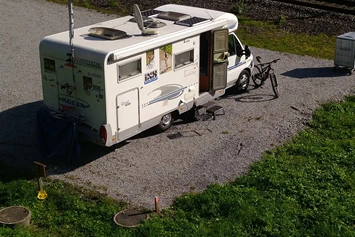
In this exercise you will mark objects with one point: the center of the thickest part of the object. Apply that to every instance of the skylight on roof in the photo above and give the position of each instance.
(107, 33)
(173, 16)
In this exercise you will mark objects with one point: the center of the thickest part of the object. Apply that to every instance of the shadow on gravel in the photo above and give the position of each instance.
(255, 98)
(18, 147)
(18, 143)
(303, 73)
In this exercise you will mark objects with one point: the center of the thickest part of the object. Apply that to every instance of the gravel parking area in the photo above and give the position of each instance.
(152, 164)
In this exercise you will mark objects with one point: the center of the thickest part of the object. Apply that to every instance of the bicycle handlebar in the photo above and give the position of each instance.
(273, 61)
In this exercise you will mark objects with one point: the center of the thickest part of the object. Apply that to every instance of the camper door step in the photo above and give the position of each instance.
(215, 110)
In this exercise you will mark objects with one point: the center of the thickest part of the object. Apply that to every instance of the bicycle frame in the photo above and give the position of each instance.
(265, 71)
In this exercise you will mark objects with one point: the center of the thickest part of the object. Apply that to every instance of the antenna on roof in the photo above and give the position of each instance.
(71, 42)
(71, 28)
(139, 20)
(209, 15)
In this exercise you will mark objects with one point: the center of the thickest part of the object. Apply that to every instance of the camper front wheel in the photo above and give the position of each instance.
(243, 81)
(165, 122)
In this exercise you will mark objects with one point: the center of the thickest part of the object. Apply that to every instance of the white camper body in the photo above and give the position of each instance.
(123, 80)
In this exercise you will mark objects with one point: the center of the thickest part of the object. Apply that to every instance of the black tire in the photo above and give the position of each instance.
(258, 76)
(165, 122)
(243, 81)
(274, 85)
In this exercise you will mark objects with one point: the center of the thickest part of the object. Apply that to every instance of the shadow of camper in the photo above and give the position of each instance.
(18, 147)
(320, 72)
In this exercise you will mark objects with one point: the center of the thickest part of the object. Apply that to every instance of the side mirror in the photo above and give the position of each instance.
(247, 51)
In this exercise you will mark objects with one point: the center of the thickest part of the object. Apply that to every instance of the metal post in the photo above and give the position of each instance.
(156, 202)
(71, 43)
(71, 29)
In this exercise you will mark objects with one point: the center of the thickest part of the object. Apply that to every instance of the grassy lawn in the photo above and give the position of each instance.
(304, 188)
(268, 35)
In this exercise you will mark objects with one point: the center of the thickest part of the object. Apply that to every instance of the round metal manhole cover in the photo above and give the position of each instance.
(15, 215)
(130, 218)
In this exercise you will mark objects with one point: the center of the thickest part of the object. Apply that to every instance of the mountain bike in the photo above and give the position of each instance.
(263, 72)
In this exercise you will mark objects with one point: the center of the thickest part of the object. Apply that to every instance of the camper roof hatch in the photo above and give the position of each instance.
(107, 33)
(173, 16)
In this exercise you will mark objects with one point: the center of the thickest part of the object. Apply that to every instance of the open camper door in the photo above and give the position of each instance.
(220, 59)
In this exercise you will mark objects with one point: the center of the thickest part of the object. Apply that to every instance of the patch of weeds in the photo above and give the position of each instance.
(225, 132)
(71, 177)
(280, 20)
(239, 8)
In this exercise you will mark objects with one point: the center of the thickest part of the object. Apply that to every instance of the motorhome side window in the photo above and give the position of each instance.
(184, 58)
(234, 47)
(129, 69)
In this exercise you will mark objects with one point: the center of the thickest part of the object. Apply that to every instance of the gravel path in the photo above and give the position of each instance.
(153, 164)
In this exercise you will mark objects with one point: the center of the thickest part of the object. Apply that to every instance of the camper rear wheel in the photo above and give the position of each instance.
(243, 81)
(165, 122)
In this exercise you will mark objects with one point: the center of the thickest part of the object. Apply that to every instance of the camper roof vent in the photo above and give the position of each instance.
(173, 16)
(192, 21)
(107, 33)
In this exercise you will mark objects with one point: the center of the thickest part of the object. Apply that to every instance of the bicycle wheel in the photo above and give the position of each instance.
(274, 85)
(258, 76)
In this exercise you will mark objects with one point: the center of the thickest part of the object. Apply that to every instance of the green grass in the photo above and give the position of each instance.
(304, 188)
(267, 35)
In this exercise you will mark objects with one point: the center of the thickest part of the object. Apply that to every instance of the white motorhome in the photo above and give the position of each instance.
(136, 72)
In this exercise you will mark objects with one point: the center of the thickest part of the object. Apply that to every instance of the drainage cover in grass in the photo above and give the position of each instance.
(130, 218)
(15, 215)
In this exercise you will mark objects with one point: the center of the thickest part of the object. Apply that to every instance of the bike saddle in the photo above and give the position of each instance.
(258, 58)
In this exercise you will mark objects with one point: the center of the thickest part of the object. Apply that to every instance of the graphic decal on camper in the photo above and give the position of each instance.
(68, 88)
(150, 59)
(72, 103)
(150, 77)
(236, 65)
(165, 58)
(87, 62)
(94, 75)
(167, 92)
(49, 65)
(48, 79)
(87, 85)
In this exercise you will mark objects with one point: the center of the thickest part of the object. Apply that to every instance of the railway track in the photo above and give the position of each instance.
(339, 6)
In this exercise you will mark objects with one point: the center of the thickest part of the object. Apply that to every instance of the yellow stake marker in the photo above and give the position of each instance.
(41, 194)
